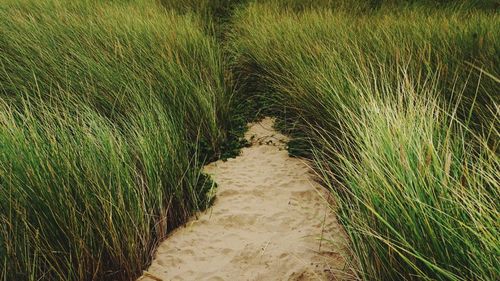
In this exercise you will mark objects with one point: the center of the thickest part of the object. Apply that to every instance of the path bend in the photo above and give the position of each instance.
(266, 223)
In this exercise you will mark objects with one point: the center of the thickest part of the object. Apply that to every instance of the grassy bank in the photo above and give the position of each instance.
(108, 110)
(403, 128)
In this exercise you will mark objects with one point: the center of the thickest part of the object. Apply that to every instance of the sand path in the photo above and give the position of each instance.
(266, 222)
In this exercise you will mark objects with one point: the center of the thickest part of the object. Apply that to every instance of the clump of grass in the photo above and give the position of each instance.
(429, 40)
(108, 111)
(402, 129)
(147, 49)
(417, 198)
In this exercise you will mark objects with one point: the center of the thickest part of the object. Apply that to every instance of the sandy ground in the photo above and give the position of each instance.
(268, 222)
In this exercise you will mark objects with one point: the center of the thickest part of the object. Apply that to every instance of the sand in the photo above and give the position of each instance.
(270, 221)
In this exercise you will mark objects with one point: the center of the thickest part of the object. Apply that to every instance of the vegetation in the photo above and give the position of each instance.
(109, 110)
(104, 125)
(387, 98)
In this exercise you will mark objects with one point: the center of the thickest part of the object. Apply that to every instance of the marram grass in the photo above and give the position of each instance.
(401, 127)
(107, 110)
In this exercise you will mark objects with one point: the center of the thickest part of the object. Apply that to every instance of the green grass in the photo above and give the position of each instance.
(108, 110)
(215, 14)
(401, 127)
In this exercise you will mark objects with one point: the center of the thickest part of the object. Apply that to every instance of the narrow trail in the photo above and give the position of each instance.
(266, 222)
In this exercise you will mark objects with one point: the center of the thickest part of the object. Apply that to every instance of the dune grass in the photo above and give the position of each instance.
(400, 111)
(108, 111)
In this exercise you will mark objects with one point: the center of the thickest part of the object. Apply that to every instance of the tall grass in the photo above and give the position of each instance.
(433, 41)
(219, 8)
(215, 14)
(418, 199)
(107, 111)
(403, 129)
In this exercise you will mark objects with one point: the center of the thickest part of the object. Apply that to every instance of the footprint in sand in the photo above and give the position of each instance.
(264, 225)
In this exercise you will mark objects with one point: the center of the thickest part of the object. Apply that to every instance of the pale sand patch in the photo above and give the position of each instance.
(266, 222)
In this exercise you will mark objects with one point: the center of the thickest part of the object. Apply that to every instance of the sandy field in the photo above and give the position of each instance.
(270, 221)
